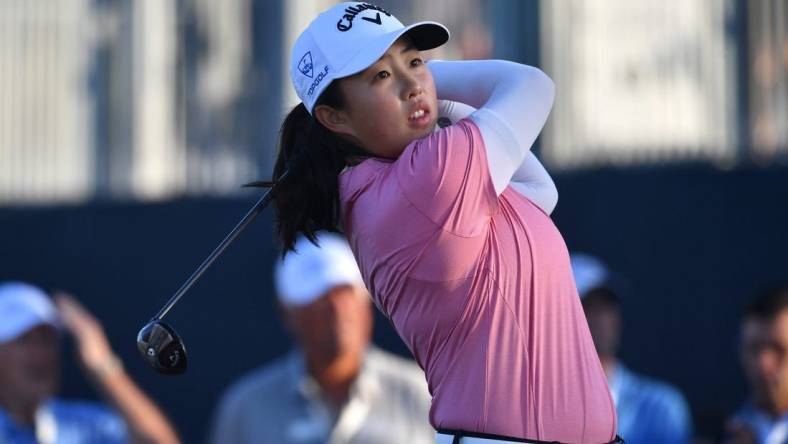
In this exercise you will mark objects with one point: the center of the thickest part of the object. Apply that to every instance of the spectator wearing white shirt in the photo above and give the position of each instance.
(334, 387)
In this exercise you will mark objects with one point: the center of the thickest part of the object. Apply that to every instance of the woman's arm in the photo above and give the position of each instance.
(515, 101)
(453, 111)
(533, 181)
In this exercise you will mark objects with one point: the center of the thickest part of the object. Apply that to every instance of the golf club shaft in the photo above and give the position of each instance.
(249, 217)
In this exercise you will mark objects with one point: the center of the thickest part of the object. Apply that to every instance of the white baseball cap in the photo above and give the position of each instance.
(589, 272)
(312, 270)
(347, 39)
(23, 307)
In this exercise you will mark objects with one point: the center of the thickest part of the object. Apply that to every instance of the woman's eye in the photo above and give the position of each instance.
(382, 75)
(416, 62)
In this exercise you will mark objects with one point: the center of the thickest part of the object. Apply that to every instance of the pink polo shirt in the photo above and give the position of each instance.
(480, 289)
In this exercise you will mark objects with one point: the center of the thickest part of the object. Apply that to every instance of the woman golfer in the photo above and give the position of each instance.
(449, 223)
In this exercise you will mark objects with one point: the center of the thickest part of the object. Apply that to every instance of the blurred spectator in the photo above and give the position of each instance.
(335, 388)
(30, 327)
(764, 355)
(648, 411)
(476, 42)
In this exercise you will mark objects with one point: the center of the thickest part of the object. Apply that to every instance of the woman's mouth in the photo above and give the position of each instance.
(419, 118)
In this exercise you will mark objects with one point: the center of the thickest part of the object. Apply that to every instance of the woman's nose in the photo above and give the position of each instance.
(411, 86)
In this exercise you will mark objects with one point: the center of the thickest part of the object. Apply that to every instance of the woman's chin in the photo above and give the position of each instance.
(424, 130)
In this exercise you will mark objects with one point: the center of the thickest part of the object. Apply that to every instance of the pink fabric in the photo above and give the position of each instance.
(480, 289)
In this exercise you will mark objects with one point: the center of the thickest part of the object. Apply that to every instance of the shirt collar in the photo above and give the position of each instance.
(9, 429)
(618, 380)
(767, 428)
(6, 424)
(366, 386)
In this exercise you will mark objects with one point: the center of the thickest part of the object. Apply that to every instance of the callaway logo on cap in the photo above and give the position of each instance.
(305, 65)
(347, 39)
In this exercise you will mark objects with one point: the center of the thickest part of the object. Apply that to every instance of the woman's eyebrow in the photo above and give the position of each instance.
(408, 47)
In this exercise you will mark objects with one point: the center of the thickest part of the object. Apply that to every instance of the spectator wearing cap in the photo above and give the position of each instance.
(763, 350)
(335, 387)
(648, 411)
(30, 413)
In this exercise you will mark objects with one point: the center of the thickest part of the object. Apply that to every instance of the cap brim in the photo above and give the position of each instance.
(425, 36)
(26, 324)
(308, 294)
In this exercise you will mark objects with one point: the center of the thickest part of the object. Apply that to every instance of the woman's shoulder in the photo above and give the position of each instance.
(451, 138)
(421, 162)
(359, 178)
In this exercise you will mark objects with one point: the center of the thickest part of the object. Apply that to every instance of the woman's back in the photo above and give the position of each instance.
(480, 289)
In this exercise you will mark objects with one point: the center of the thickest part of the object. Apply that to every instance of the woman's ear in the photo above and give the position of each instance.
(334, 120)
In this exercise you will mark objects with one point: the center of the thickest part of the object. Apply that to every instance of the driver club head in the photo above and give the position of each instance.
(162, 348)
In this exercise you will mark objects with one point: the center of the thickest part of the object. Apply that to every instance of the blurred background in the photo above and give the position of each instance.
(127, 128)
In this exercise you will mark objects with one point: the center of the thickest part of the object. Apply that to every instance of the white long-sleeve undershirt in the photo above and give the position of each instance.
(509, 103)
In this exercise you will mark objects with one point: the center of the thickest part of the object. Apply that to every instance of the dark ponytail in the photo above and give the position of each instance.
(307, 200)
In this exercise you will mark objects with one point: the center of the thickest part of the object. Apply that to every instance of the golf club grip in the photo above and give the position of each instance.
(248, 218)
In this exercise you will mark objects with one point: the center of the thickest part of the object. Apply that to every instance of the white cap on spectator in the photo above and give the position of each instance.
(311, 271)
(23, 307)
(589, 272)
